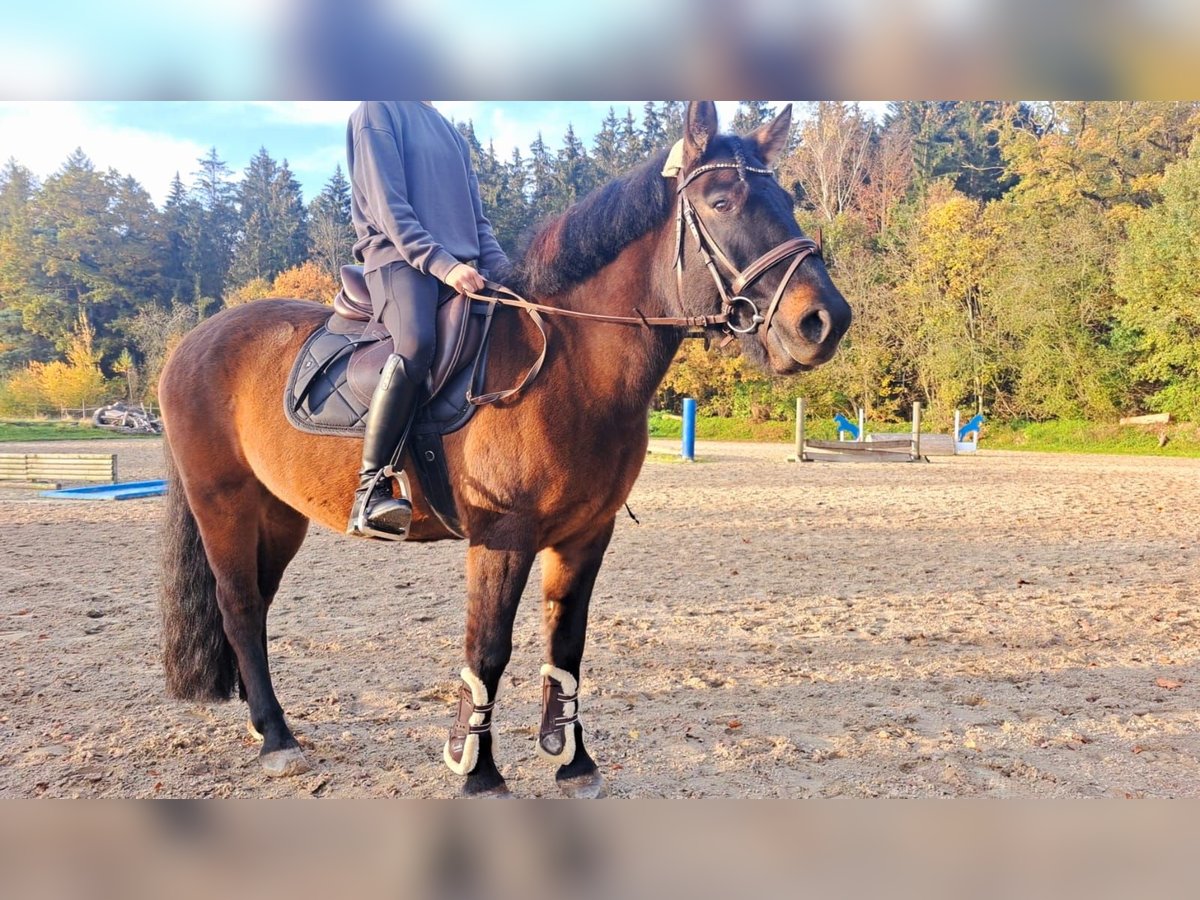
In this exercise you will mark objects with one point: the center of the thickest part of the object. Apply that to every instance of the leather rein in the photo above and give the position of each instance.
(739, 314)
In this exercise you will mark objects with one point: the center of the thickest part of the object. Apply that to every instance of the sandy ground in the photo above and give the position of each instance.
(1009, 625)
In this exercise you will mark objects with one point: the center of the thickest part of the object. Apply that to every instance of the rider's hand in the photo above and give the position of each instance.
(463, 278)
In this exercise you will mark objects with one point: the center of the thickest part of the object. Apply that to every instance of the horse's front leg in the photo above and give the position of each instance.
(497, 569)
(568, 576)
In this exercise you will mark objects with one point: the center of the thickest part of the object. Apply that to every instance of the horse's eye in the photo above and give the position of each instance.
(722, 205)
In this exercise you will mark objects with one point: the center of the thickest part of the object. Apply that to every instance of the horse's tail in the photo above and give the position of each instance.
(199, 662)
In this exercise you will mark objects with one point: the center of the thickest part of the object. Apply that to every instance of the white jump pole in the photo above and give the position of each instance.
(799, 429)
(916, 430)
(954, 437)
(862, 424)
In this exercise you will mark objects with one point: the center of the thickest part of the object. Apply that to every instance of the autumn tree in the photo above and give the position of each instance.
(1158, 276)
(830, 163)
(307, 281)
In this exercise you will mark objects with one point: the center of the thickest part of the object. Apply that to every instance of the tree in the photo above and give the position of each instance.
(20, 276)
(254, 289)
(307, 281)
(214, 228)
(630, 147)
(750, 114)
(574, 171)
(654, 129)
(830, 163)
(889, 176)
(330, 233)
(289, 225)
(77, 383)
(606, 149)
(960, 140)
(1158, 276)
(544, 200)
(155, 331)
(178, 217)
(253, 253)
(509, 210)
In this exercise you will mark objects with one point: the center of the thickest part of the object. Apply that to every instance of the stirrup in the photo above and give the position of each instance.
(360, 525)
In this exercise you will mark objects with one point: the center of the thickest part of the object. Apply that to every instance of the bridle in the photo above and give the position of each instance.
(739, 314)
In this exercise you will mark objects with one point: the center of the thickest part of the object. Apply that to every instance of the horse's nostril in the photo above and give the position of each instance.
(816, 325)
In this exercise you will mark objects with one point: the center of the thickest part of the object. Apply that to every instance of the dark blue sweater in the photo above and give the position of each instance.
(414, 195)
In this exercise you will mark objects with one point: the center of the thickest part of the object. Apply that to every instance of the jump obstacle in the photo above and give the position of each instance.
(36, 469)
(49, 470)
(862, 446)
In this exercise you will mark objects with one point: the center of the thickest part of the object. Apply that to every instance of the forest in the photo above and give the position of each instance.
(1033, 260)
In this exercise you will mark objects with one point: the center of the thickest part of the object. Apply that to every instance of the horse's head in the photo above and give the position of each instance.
(739, 249)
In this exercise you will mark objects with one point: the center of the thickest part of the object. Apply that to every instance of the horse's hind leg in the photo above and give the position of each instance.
(568, 576)
(249, 537)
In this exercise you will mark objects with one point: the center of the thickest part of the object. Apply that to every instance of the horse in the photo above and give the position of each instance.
(244, 486)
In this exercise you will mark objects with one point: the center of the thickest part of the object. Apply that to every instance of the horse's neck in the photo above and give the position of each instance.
(624, 364)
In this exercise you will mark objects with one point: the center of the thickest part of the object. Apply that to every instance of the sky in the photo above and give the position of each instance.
(153, 140)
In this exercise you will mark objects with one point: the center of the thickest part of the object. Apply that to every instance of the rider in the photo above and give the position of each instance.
(419, 224)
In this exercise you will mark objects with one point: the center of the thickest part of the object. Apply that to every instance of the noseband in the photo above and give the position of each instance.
(739, 314)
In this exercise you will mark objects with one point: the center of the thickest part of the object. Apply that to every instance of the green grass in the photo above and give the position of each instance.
(715, 428)
(1064, 436)
(1070, 436)
(51, 430)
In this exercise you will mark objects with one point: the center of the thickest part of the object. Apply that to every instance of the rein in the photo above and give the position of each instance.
(739, 314)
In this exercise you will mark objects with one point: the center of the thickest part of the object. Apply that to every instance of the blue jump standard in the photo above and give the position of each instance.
(132, 490)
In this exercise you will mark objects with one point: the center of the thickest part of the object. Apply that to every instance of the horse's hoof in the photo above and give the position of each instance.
(584, 787)
(497, 793)
(284, 763)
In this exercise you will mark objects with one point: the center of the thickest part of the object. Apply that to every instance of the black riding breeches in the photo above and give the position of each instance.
(409, 312)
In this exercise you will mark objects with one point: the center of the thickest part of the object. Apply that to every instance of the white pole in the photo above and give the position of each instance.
(799, 429)
(916, 430)
(954, 437)
(862, 423)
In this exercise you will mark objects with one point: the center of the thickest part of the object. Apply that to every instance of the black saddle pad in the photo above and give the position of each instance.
(320, 399)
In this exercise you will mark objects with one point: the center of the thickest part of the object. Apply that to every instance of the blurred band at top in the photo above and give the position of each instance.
(536, 49)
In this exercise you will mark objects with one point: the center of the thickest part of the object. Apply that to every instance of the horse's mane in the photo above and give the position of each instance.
(576, 244)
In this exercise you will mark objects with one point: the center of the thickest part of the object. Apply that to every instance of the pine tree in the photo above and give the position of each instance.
(574, 172)
(654, 129)
(177, 215)
(606, 148)
(630, 151)
(750, 114)
(544, 198)
(253, 254)
(288, 243)
(214, 228)
(672, 114)
(510, 212)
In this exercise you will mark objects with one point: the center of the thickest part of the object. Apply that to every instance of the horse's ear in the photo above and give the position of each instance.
(772, 137)
(700, 126)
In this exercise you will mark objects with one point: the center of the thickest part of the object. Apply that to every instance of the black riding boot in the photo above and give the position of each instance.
(376, 513)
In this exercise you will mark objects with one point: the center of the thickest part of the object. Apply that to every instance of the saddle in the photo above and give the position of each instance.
(330, 386)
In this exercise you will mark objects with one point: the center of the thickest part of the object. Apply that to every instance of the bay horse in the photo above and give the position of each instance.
(244, 484)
